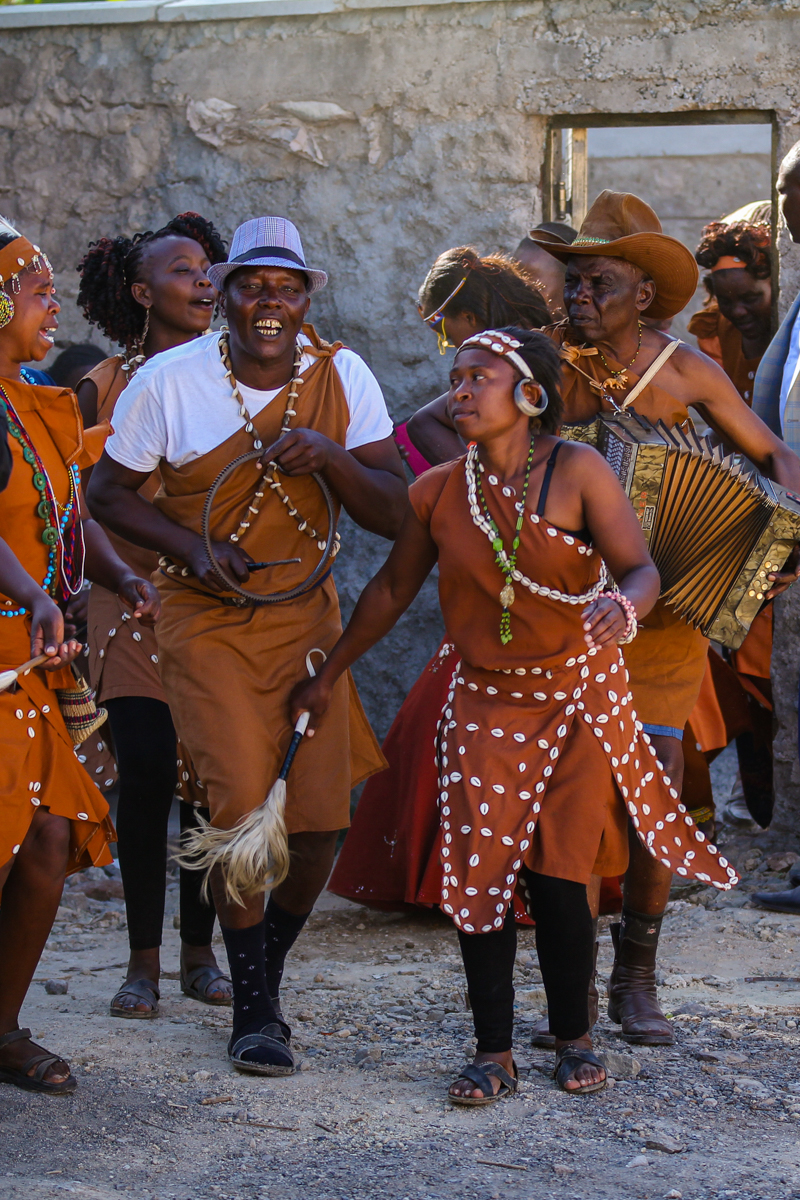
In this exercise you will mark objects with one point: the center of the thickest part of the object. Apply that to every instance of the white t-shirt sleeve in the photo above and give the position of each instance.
(139, 440)
(369, 417)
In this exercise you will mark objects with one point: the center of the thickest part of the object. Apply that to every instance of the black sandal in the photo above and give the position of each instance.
(19, 1077)
(273, 1038)
(197, 983)
(478, 1073)
(141, 989)
(568, 1059)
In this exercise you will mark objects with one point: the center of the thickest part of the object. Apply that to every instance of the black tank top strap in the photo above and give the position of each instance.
(582, 534)
(548, 475)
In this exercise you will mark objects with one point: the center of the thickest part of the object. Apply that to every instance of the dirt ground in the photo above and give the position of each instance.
(376, 1001)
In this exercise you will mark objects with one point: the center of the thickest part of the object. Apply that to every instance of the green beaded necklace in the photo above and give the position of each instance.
(507, 562)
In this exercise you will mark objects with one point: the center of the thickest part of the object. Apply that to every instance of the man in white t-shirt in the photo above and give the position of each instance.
(228, 662)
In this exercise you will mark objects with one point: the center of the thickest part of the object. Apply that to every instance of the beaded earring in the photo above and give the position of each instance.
(6, 309)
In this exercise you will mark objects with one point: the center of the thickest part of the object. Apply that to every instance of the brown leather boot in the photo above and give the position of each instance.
(632, 996)
(542, 1036)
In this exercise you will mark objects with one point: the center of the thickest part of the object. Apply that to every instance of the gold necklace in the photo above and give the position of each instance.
(270, 478)
(618, 379)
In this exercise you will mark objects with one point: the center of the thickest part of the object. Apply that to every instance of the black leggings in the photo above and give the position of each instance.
(144, 741)
(564, 942)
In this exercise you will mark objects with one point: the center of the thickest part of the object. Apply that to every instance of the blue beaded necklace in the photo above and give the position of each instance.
(47, 509)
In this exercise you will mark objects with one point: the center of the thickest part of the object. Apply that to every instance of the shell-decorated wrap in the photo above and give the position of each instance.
(501, 739)
(543, 761)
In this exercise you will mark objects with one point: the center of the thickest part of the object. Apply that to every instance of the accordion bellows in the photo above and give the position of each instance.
(714, 527)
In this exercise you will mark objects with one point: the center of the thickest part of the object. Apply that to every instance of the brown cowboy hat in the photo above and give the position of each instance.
(620, 225)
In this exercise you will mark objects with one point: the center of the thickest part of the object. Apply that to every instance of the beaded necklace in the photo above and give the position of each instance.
(471, 469)
(507, 562)
(618, 379)
(66, 578)
(270, 478)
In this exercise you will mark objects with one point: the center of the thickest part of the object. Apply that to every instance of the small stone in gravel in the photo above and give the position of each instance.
(693, 1008)
(621, 1066)
(639, 1161)
(673, 1195)
(56, 987)
(392, 958)
(319, 979)
(563, 1169)
(779, 862)
(665, 1143)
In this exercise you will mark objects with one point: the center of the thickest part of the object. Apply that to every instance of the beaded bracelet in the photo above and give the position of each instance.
(631, 623)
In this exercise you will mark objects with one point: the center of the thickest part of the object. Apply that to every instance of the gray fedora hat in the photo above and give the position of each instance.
(267, 242)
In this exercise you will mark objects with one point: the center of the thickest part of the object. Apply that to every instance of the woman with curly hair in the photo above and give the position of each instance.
(735, 329)
(149, 293)
(735, 326)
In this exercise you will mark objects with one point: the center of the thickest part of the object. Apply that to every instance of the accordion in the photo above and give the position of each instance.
(714, 527)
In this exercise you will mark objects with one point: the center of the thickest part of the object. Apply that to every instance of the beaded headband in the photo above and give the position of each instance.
(729, 262)
(506, 346)
(502, 344)
(439, 313)
(16, 257)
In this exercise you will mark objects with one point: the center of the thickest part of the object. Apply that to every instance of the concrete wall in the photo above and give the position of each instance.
(388, 132)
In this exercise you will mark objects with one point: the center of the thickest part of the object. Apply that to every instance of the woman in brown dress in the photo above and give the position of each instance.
(540, 751)
(149, 293)
(53, 819)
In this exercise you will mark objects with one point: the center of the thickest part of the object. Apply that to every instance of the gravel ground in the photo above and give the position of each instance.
(376, 1001)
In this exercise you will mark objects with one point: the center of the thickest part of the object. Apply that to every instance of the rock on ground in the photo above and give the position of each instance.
(376, 1001)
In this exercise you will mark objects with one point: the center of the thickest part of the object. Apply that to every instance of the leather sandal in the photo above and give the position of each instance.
(19, 1077)
(478, 1073)
(568, 1059)
(272, 1039)
(139, 989)
(198, 982)
(632, 996)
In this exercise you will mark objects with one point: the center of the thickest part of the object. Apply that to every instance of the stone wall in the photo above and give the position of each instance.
(388, 132)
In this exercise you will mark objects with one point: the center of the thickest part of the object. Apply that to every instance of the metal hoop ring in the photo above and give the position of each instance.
(274, 597)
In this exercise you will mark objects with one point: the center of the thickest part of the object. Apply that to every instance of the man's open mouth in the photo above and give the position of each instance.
(268, 326)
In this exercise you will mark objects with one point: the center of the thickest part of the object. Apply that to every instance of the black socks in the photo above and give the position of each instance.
(252, 1007)
(281, 930)
(639, 928)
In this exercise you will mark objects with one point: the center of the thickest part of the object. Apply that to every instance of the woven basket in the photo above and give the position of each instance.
(81, 715)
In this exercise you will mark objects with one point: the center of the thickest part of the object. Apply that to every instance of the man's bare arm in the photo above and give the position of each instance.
(707, 388)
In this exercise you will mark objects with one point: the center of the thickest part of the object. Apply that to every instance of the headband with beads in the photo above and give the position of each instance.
(16, 257)
(506, 346)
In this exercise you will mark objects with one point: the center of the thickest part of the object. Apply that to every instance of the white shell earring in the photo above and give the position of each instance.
(524, 405)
